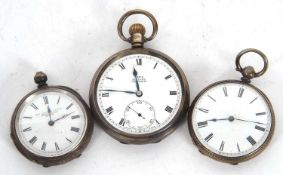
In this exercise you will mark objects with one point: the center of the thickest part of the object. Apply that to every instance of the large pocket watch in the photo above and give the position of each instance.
(139, 95)
(233, 121)
(52, 124)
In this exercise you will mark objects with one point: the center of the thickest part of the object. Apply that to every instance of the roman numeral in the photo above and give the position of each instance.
(167, 77)
(260, 113)
(139, 61)
(59, 98)
(155, 65)
(211, 98)
(109, 110)
(105, 94)
(45, 99)
(251, 140)
(122, 66)
(33, 140)
(27, 129)
(68, 140)
(202, 124)
(203, 110)
(168, 109)
(43, 146)
(208, 137)
(259, 128)
(225, 91)
(157, 121)
(173, 92)
(238, 147)
(70, 105)
(109, 78)
(253, 100)
(75, 116)
(34, 106)
(221, 146)
(56, 146)
(122, 122)
(75, 129)
(241, 91)
(28, 117)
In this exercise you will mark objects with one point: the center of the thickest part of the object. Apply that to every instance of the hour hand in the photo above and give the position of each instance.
(135, 73)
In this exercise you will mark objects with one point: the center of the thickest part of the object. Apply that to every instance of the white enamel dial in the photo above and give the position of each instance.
(51, 123)
(231, 119)
(145, 83)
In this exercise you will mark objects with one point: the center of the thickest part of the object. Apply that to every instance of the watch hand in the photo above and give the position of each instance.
(139, 114)
(217, 119)
(113, 90)
(135, 73)
(64, 116)
(249, 121)
(49, 112)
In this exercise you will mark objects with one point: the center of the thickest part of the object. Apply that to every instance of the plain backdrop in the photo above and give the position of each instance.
(69, 39)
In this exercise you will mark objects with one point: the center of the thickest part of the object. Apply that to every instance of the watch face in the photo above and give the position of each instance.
(51, 122)
(139, 94)
(232, 119)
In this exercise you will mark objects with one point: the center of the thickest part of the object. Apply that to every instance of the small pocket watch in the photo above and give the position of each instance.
(233, 121)
(52, 124)
(139, 95)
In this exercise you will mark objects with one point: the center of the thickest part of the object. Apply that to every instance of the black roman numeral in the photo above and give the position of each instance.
(70, 105)
(225, 91)
(59, 98)
(43, 146)
(167, 77)
(155, 65)
(45, 99)
(109, 110)
(109, 78)
(259, 128)
(241, 91)
(122, 66)
(221, 146)
(211, 98)
(238, 147)
(207, 138)
(203, 110)
(253, 100)
(75, 116)
(122, 122)
(260, 113)
(168, 109)
(68, 140)
(139, 61)
(57, 146)
(34, 106)
(27, 129)
(173, 92)
(75, 129)
(33, 140)
(251, 140)
(105, 94)
(202, 124)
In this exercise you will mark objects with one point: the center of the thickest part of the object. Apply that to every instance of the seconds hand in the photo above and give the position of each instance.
(139, 114)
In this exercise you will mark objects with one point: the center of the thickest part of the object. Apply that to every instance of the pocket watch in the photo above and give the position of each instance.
(233, 121)
(52, 124)
(139, 95)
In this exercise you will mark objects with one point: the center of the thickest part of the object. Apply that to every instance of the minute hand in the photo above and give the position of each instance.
(249, 121)
(113, 90)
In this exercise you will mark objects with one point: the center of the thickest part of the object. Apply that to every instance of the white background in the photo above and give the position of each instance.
(69, 39)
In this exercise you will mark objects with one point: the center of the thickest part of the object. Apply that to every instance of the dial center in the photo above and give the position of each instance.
(231, 118)
(139, 93)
